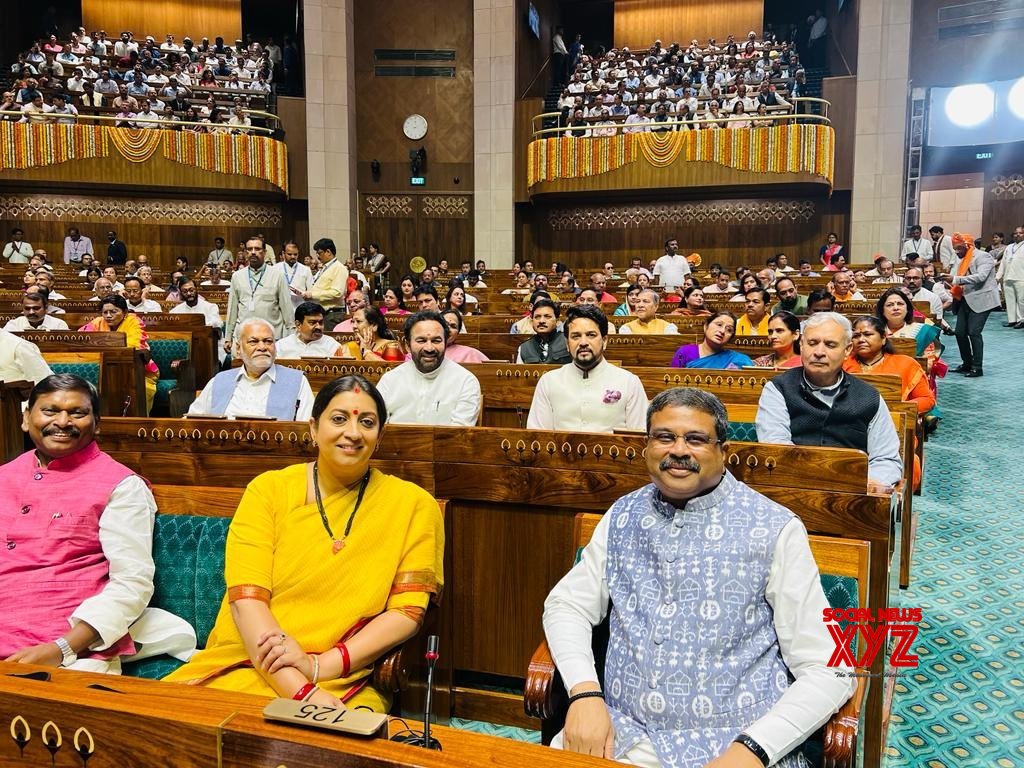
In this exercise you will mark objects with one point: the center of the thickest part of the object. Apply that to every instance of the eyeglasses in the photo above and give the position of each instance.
(694, 440)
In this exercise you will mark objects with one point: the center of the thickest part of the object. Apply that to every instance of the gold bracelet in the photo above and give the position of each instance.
(315, 658)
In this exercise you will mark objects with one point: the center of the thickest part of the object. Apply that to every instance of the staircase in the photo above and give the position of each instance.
(551, 105)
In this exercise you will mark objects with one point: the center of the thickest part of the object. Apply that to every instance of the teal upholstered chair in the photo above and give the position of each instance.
(843, 564)
(188, 551)
(166, 351)
(743, 432)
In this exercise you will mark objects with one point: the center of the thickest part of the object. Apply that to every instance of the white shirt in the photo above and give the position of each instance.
(292, 347)
(203, 307)
(448, 396)
(146, 305)
(20, 360)
(602, 399)
(1011, 267)
(922, 247)
(50, 323)
(933, 299)
(250, 397)
(580, 601)
(126, 537)
(18, 253)
(947, 255)
(672, 270)
(298, 276)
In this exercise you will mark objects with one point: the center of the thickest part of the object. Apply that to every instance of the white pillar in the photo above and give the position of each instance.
(883, 64)
(330, 121)
(493, 119)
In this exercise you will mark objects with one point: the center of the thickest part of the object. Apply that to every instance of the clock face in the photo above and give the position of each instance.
(415, 127)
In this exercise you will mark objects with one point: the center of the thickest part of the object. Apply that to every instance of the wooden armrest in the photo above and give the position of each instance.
(840, 739)
(389, 673)
(538, 696)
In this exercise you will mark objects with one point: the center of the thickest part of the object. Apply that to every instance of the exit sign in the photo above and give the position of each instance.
(983, 156)
(417, 181)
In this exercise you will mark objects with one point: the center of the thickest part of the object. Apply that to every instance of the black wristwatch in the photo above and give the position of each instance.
(753, 746)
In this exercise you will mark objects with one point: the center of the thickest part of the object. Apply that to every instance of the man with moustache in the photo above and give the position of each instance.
(547, 345)
(258, 291)
(259, 387)
(308, 339)
(78, 566)
(788, 298)
(819, 404)
(34, 315)
(589, 394)
(429, 388)
(717, 655)
(297, 275)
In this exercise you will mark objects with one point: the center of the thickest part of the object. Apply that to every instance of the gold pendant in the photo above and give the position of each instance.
(339, 544)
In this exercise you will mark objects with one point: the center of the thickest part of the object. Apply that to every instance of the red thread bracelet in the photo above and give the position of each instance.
(346, 660)
(303, 692)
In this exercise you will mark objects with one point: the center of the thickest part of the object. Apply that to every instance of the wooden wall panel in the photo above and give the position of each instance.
(163, 229)
(842, 93)
(434, 226)
(1004, 205)
(292, 112)
(719, 230)
(208, 18)
(383, 103)
(638, 23)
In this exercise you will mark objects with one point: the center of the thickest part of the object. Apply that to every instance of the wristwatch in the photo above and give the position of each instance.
(70, 657)
(753, 746)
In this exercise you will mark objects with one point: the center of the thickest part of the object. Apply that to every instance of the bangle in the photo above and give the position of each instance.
(586, 695)
(304, 692)
(753, 746)
(315, 658)
(346, 660)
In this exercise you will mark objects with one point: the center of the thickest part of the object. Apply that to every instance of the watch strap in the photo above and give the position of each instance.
(754, 747)
(70, 657)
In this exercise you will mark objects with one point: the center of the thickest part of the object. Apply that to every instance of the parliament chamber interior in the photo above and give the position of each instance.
(507, 382)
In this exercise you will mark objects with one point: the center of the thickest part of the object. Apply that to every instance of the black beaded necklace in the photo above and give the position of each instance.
(338, 544)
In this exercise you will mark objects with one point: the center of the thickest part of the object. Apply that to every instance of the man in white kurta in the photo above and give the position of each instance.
(429, 388)
(20, 360)
(258, 291)
(589, 394)
(309, 339)
(34, 315)
(672, 268)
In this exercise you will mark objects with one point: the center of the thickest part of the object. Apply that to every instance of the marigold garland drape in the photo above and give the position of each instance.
(35, 145)
(778, 149)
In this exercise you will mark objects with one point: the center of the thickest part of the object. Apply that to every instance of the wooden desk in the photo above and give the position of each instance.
(142, 723)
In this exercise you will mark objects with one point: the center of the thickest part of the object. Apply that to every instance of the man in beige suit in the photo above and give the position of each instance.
(258, 291)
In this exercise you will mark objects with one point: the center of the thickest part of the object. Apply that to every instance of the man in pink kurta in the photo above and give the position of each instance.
(76, 530)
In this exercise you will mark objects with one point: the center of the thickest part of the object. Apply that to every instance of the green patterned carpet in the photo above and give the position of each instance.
(964, 705)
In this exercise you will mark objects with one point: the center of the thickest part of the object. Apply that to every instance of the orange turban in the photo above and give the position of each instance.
(962, 238)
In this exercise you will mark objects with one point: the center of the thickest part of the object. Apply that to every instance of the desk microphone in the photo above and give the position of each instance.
(411, 737)
(127, 405)
(431, 657)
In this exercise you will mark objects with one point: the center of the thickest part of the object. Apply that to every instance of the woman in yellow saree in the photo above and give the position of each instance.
(328, 566)
(115, 316)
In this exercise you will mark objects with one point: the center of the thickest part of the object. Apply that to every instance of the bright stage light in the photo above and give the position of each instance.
(1016, 98)
(970, 105)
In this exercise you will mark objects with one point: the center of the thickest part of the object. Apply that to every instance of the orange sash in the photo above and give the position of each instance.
(958, 290)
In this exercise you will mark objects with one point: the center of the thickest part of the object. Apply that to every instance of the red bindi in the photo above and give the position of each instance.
(355, 411)
(357, 390)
